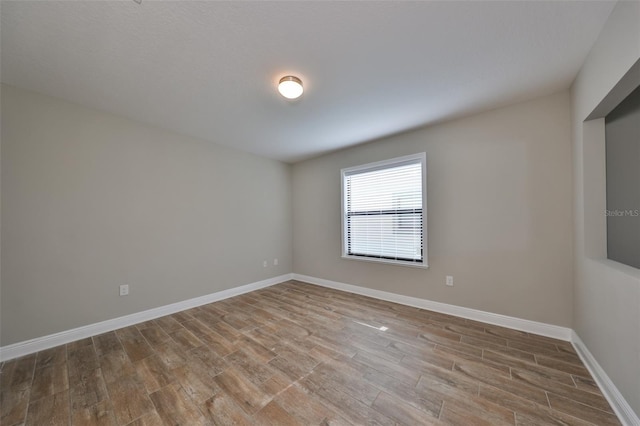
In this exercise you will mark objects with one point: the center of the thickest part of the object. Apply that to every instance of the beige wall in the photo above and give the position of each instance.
(606, 294)
(499, 213)
(91, 201)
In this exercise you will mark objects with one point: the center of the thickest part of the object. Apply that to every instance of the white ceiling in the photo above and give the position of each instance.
(370, 69)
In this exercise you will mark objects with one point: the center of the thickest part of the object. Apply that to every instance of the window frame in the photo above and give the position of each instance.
(381, 165)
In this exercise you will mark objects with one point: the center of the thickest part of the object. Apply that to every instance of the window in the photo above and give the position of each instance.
(384, 211)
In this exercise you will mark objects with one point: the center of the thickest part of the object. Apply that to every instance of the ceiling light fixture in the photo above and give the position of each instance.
(290, 87)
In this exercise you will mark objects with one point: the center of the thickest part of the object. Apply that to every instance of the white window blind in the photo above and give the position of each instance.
(383, 211)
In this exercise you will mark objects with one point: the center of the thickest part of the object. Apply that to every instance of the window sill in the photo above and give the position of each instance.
(387, 261)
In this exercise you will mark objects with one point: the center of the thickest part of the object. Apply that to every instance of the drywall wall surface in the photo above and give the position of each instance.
(606, 293)
(499, 213)
(91, 201)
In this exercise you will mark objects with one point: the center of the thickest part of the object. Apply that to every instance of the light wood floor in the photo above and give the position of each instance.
(300, 354)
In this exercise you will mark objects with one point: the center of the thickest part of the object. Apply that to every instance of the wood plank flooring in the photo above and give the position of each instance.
(298, 354)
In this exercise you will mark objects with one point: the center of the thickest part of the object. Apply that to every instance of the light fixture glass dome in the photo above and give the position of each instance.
(290, 87)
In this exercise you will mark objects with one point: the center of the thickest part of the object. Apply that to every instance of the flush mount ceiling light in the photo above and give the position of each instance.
(290, 87)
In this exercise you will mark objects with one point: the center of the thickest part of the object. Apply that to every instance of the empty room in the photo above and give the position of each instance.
(319, 213)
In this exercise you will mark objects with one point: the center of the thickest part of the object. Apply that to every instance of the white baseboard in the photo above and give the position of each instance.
(45, 342)
(620, 406)
(554, 331)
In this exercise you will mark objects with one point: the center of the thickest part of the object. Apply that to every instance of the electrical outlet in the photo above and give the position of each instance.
(449, 280)
(124, 290)
(264, 263)
(275, 262)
